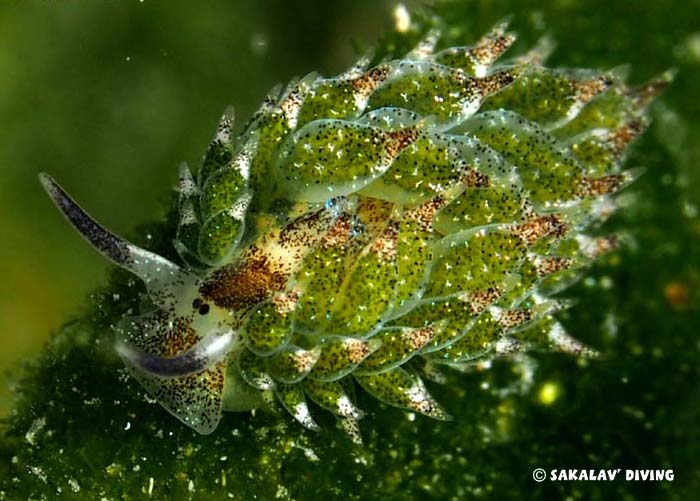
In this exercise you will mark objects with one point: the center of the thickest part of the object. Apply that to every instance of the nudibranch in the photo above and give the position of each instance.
(366, 230)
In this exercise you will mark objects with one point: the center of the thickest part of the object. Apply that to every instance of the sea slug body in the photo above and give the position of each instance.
(366, 230)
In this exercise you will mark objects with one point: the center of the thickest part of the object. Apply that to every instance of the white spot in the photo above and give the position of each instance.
(36, 426)
(301, 412)
(402, 18)
(480, 70)
(259, 43)
(416, 393)
(242, 163)
(507, 345)
(36, 470)
(238, 210)
(309, 453)
(690, 210)
(361, 101)
(346, 406)
(689, 49)
(74, 485)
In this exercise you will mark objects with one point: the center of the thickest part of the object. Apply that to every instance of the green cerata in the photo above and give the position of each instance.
(365, 231)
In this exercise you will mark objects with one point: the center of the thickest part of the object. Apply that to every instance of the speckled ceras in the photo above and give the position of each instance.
(364, 230)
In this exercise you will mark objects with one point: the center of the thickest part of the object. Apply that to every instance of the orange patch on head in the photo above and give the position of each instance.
(240, 286)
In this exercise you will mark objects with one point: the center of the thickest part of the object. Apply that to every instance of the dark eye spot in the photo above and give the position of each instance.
(196, 303)
(204, 309)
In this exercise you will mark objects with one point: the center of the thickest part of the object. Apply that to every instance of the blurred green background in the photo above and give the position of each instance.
(109, 96)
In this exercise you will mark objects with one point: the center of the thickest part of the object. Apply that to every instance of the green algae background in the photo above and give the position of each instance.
(109, 96)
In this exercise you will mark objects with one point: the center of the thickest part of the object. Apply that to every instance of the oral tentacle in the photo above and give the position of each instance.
(210, 350)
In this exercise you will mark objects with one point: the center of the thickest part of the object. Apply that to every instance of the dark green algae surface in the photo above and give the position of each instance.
(80, 429)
